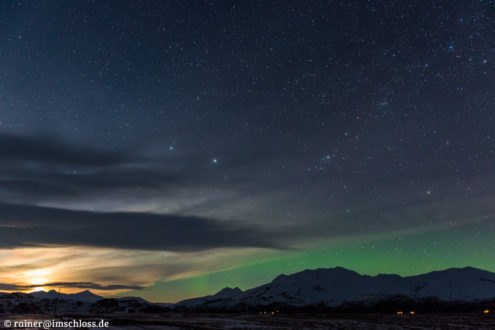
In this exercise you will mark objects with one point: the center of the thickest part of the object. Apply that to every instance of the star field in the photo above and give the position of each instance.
(315, 126)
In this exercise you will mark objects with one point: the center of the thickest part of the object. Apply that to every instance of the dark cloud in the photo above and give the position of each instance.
(46, 169)
(53, 151)
(80, 285)
(30, 184)
(40, 168)
(37, 226)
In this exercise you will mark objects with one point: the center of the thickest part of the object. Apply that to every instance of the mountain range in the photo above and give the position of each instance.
(339, 289)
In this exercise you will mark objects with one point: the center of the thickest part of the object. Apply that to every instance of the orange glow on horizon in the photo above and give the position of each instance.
(37, 277)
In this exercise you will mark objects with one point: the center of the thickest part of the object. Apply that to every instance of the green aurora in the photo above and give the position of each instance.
(404, 255)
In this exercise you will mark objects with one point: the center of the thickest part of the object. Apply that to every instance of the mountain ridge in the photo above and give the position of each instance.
(335, 288)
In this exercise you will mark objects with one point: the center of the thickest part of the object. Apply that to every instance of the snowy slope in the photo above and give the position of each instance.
(337, 286)
(218, 300)
(86, 296)
(52, 302)
(465, 284)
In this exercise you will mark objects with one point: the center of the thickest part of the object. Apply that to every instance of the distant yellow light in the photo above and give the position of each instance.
(37, 276)
(400, 312)
(38, 288)
(486, 311)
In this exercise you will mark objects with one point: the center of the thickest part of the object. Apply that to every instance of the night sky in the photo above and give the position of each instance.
(168, 149)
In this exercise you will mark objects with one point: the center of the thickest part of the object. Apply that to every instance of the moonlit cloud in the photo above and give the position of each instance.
(70, 267)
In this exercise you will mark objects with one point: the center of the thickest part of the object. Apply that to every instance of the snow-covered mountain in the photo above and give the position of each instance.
(456, 289)
(219, 300)
(334, 287)
(85, 296)
(52, 302)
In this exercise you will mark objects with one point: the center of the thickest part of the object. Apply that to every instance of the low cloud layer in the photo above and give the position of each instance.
(40, 170)
(51, 150)
(38, 226)
(53, 193)
(79, 285)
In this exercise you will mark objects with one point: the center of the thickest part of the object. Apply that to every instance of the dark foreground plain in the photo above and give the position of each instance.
(280, 321)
